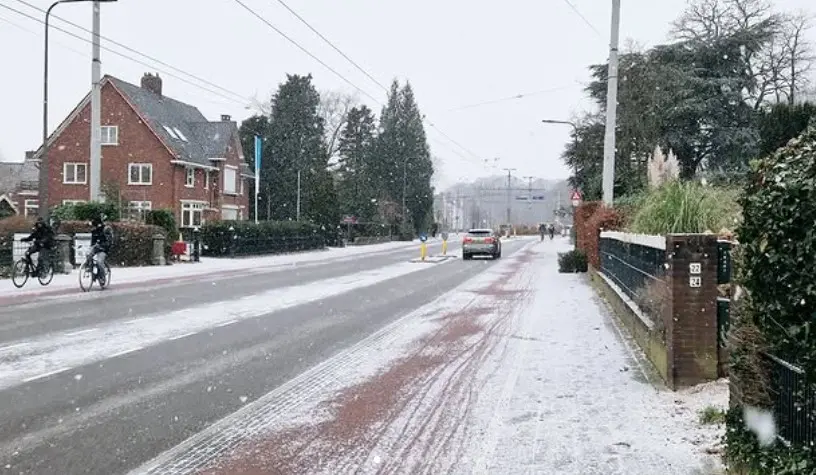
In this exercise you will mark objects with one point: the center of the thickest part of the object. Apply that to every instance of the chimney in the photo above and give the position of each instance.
(152, 83)
(226, 118)
(29, 155)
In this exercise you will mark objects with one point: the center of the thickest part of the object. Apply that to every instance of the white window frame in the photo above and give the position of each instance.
(141, 167)
(180, 135)
(33, 205)
(241, 182)
(72, 202)
(234, 189)
(189, 177)
(74, 165)
(139, 207)
(170, 132)
(105, 135)
(232, 209)
(206, 179)
(189, 209)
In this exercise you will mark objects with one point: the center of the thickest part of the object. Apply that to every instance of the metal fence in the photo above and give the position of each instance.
(794, 400)
(631, 266)
(723, 301)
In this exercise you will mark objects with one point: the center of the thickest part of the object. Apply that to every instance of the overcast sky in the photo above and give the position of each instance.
(455, 53)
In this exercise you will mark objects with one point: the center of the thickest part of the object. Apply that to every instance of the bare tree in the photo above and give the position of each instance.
(261, 107)
(798, 54)
(334, 109)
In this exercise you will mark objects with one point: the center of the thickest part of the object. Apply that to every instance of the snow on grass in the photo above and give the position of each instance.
(22, 360)
(213, 266)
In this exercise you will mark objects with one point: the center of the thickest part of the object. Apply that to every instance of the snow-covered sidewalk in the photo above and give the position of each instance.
(519, 370)
(207, 266)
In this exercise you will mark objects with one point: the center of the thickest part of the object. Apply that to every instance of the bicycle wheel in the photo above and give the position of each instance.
(19, 273)
(104, 285)
(86, 278)
(47, 274)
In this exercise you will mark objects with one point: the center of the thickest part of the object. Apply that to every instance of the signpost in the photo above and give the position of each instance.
(576, 198)
(348, 221)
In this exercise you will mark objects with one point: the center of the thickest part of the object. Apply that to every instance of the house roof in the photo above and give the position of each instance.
(181, 127)
(10, 173)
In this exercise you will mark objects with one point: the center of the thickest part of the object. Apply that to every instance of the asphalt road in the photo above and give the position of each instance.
(114, 414)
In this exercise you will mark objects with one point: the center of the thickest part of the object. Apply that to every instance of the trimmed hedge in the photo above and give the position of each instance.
(133, 242)
(777, 253)
(86, 211)
(244, 238)
(602, 219)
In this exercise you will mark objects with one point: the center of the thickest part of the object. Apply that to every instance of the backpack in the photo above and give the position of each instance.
(110, 236)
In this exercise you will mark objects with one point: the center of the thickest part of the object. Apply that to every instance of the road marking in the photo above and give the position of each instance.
(135, 320)
(179, 337)
(131, 350)
(45, 375)
(229, 322)
(16, 345)
(80, 332)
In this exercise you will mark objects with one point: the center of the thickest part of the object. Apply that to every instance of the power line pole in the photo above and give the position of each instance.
(611, 109)
(529, 191)
(509, 201)
(96, 110)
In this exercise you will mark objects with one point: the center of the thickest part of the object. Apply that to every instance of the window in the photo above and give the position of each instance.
(170, 132)
(229, 214)
(241, 190)
(189, 181)
(31, 207)
(192, 214)
(179, 134)
(206, 179)
(72, 202)
(140, 174)
(110, 135)
(230, 180)
(75, 173)
(137, 210)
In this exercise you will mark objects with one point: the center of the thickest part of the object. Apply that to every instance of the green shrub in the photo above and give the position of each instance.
(572, 262)
(266, 237)
(163, 218)
(685, 207)
(86, 211)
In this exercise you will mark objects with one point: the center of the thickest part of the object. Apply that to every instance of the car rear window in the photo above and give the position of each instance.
(480, 233)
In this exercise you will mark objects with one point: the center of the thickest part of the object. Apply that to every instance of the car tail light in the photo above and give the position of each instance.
(489, 240)
(467, 240)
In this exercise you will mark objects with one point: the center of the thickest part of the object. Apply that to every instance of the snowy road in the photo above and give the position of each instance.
(103, 382)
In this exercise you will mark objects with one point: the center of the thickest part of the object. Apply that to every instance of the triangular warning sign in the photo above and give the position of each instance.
(576, 195)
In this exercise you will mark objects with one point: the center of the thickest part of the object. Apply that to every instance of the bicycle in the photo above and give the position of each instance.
(90, 270)
(23, 269)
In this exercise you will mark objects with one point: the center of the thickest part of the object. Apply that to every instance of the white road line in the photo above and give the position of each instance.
(179, 337)
(223, 324)
(131, 350)
(45, 375)
(135, 320)
(16, 345)
(80, 332)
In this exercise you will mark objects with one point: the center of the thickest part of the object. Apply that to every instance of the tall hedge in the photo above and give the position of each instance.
(778, 271)
(226, 238)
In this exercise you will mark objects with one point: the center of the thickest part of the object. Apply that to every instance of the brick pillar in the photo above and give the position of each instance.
(691, 333)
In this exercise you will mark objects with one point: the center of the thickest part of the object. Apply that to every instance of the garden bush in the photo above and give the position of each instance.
(164, 218)
(133, 241)
(679, 207)
(86, 211)
(603, 219)
(266, 237)
(572, 261)
(775, 269)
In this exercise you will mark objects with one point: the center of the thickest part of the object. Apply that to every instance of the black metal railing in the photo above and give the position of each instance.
(239, 246)
(631, 266)
(723, 301)
(794, 402)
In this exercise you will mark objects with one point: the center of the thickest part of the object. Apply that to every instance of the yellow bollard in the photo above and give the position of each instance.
(423, 250)
(445, 248)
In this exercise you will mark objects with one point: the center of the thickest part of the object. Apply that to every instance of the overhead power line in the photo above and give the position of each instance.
(512, 98)
(360, 68)
(580, 15)
(133, 50)
(130, 58)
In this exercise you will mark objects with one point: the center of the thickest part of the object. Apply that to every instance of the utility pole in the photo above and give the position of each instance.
(298, 197)
(611, 109)
(96, 110)
(509, 201)
(529, 191)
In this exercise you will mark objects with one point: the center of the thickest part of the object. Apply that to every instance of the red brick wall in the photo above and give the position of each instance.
(137, 144)
(691, 335)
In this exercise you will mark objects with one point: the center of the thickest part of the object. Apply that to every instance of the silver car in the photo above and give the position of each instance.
(481, 242)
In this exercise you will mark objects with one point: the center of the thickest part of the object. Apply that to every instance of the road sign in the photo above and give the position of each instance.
(538, 198)
(576, 198)
(350, 220)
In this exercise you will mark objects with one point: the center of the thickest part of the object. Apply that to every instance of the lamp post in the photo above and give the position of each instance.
(44, 178)
(575, 138)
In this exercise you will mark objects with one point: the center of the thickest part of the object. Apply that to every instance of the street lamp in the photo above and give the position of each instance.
(43, 193)
(575, 136)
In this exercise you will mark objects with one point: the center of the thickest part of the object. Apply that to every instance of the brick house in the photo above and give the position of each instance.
(19, 187)
(158, 152)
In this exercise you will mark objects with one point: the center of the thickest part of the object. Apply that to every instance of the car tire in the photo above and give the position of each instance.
(466, 257)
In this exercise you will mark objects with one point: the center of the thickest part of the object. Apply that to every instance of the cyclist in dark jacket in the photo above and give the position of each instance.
(101, 242)
(41, 239)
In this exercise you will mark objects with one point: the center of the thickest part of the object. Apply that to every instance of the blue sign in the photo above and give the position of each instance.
(258, 148)
(423, 237)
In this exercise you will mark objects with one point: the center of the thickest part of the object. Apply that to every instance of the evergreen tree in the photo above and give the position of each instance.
(357, 184)
(257, 125)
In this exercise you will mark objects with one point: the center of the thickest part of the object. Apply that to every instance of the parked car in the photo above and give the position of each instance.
(481, 242)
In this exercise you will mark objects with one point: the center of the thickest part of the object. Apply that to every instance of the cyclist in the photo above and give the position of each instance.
(41, 239)
(101, 242)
